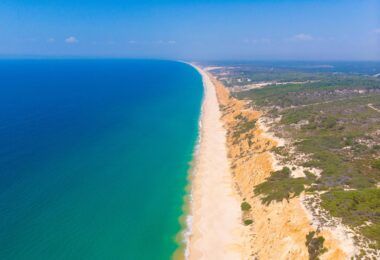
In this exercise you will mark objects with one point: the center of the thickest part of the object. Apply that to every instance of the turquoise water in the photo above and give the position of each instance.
(94, 157)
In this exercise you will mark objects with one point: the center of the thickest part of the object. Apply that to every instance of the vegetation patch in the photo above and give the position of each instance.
(293, 116)
(358, 208)
(279, 186)
(376, 164)
(340, 168)
(314, 245)
(248, 222)
(326, 112)
(243, 126)
(330, 88)
(245, 206)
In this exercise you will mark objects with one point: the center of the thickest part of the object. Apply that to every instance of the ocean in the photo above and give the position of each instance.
(94, 156)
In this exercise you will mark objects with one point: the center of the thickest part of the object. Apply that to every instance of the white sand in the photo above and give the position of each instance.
(216, 217)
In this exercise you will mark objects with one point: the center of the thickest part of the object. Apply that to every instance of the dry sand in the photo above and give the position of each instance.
(216, 230)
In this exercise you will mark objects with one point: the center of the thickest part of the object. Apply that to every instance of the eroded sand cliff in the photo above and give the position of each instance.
(278, 230)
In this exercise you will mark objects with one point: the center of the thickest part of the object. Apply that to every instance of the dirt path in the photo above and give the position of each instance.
(374, 108)
(326, 102)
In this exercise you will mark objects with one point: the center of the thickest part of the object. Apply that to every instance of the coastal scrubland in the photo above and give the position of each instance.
(283, 225)
(329, 116)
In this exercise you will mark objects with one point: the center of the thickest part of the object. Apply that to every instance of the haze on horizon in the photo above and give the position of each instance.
(297, 30)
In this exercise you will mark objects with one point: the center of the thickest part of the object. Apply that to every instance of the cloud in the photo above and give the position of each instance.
(51, 40)
(302, 37)
(377, 31)
(71, 40)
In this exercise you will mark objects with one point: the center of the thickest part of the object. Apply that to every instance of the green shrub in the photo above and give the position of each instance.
(293, 116)
(248, 222)
(328, 122)
(376, 164)
(373, 233)
(245, 206)
(279, 150)
(279, 186)
(243, 126)
(314, 245)
(310, 176)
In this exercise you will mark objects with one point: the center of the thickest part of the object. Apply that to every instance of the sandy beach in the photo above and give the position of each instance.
(215, 208)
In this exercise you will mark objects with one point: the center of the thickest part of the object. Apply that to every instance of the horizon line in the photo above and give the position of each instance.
(36, 56)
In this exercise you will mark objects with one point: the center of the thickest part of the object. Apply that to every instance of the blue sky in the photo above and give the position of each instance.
(195, 30)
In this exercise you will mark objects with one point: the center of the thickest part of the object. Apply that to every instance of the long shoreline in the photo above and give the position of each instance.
(214, 219)
(214, 227)
(186, 219)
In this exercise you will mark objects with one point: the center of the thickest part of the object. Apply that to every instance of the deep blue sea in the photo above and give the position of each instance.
(94, 156)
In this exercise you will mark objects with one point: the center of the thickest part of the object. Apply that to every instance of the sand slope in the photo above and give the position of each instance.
(279, 230)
